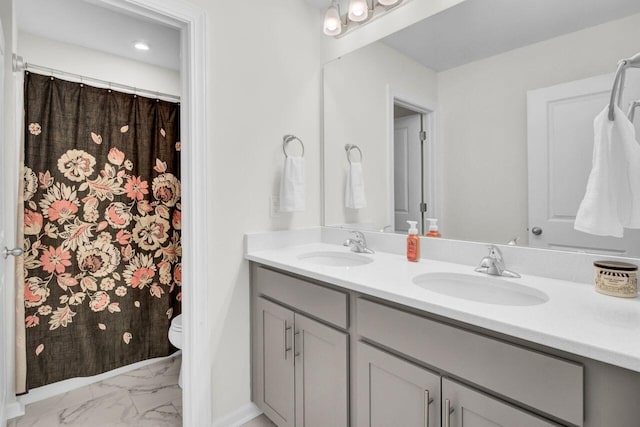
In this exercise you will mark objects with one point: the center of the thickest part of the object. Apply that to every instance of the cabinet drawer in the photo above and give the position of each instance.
(471, 408)
(318, 301)
(547, 383)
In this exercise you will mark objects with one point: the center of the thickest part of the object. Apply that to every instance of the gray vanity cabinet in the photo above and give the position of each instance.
(321, 374)
(394, 392)
(534, 379)
(300, 364)
(276, 390)
(470, 408)
(316, 349)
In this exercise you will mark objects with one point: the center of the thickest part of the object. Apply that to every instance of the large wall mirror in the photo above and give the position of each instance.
(482, 115)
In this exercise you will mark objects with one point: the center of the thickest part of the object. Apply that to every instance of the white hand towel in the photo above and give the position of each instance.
(292, 188)
(354, 197)
(612, 199)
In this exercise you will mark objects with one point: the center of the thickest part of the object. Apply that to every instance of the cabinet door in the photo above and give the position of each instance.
(393, 392)
(321, 374)
(470, 408)
(275, 388)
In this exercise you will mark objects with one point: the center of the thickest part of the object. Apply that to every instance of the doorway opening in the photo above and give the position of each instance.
(412, 161)
(190, 22)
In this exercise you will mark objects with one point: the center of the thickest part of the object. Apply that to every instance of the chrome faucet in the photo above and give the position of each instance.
(358, 243)
(494, 264)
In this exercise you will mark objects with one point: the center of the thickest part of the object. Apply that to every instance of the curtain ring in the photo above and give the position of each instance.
(290, 138)
(350, 147)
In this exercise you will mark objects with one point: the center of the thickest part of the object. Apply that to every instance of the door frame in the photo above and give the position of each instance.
(428, 109)
(5, 295)
(197, 352)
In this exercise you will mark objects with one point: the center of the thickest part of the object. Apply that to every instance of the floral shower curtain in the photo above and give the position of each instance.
(102, 220)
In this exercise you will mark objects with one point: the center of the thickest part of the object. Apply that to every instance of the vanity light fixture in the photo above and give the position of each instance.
(140, 45)
(332, 20)
(359, 12)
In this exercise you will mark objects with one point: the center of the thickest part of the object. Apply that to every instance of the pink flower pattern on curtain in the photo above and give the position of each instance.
(102, 221)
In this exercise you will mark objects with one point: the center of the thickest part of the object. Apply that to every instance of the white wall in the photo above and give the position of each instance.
(356, 111)
(100, 65)
(264, 81)
(483, 125)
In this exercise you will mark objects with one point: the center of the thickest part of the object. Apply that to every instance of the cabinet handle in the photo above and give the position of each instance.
(448, 410)
(295, 345)
(286, 347)
(427, 401)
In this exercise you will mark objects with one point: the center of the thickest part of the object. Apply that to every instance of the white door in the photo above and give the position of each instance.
(3, 242)
(8, 224)
(406, 171)
(560, 144)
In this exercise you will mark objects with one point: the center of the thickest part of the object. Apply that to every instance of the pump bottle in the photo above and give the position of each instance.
(413, 242)
(433, 228)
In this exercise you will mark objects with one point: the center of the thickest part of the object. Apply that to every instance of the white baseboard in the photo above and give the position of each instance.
(61, 387)
(14, 409)
(242, 415)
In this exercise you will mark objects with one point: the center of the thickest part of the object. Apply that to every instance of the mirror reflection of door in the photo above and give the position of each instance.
(408, 164)
(560, 146)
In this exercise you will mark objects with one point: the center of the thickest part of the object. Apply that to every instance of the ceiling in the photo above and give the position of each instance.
(476, 29)
(89, 25)
(472, 30)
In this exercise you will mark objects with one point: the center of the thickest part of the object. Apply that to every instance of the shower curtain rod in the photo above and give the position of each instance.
(20, 65)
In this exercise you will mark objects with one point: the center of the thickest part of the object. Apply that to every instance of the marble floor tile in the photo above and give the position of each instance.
(160, 416)
(177, 403)
(149, 396)
(261, 421)
(170, 367)
(139, 382)
(75, 397)
(109, 410)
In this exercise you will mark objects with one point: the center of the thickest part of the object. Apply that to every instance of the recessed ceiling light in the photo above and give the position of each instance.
(141, 45)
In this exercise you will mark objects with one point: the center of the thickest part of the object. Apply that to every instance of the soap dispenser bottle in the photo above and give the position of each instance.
(433, 228)
(413, 242)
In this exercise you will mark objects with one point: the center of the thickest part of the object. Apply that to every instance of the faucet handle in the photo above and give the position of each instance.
(358, 236)
(495, 252)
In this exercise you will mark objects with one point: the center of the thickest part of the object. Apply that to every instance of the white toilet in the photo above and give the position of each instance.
(175, 337)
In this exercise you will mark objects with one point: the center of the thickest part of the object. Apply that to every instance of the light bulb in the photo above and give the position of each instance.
(140, 45)
(358, 10)
(332, 21)
(388, 2)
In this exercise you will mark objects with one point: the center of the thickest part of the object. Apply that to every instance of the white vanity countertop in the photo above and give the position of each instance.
(576, 318)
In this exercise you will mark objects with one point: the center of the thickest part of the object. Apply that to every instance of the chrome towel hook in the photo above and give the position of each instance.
(618, 82)
(290, 138)
(349, 148)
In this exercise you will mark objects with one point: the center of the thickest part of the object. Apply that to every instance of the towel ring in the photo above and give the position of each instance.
(350, 147)
(290, 138)
(618, 82)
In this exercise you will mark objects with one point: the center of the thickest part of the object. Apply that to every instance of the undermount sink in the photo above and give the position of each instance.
(335, 259)
(489, 289)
